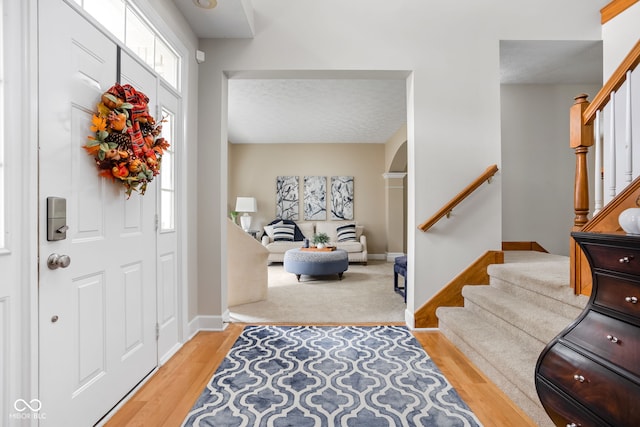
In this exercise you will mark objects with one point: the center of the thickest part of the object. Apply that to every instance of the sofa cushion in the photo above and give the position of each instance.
(281, 247)
(329, 228)
(346, 232)
(283, 232)
(307, 229)
(350, 246)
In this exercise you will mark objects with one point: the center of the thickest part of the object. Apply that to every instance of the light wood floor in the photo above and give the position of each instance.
(169, 395)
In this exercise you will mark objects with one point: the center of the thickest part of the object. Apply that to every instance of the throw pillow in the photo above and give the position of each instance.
(283, 232)
(346, 233)
(269, 229)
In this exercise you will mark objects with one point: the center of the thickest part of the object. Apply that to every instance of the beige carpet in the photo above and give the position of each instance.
(365, 294)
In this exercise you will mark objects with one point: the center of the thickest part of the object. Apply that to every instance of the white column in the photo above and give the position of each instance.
(395, 214)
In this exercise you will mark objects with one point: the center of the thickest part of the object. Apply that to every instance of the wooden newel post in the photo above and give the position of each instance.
(580, 139)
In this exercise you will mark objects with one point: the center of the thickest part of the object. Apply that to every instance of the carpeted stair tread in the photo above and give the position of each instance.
(547, 278)
(514, 358)
(530, 257)
(534, 320)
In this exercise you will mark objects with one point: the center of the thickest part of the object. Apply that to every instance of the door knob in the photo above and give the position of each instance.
(58, 261)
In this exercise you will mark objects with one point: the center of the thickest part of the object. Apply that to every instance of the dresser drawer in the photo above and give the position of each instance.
(605, 393)
(564, 411)
(613, 258)
(609, 338)
(618, 294)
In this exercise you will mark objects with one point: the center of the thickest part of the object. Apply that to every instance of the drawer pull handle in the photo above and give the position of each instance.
(625, 259)
(572, 425)
(632, 300)
(613, 339)
(578, 378)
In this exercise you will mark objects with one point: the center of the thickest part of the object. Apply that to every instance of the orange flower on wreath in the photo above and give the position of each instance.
(126, 143)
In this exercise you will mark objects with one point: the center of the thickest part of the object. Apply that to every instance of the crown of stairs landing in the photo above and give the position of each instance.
(504, 326)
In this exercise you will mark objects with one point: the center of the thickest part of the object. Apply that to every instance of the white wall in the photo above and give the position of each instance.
(619, 35)
(537, 163)
(452, 48)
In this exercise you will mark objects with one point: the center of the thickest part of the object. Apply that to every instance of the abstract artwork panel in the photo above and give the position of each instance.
(287, 197)
(315, 198)
(342, 197)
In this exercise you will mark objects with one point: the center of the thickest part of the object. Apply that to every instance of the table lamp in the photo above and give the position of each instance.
(246, 205)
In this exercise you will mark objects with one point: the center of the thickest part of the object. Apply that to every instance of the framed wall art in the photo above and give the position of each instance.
(287, 197)
(315, 198)
(341, 197)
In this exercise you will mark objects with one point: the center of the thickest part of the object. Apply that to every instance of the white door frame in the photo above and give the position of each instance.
(21, 189)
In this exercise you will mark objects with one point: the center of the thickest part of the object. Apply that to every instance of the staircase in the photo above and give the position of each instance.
(504, 326)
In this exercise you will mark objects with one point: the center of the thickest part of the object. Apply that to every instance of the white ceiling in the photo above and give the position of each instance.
(355, 108)
(315, 110)
(550, 62)
(229, 19)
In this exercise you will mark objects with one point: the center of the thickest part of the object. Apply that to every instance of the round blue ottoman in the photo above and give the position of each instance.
(316, 263)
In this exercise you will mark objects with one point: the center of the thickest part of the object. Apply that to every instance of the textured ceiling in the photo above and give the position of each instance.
(315, 110)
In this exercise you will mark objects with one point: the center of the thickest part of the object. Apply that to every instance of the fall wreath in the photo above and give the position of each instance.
(126, 143)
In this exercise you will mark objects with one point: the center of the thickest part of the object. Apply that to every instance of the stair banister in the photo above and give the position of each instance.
(586, 129)
(447, 208)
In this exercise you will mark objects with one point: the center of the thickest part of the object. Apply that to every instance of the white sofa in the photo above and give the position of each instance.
(356, 250)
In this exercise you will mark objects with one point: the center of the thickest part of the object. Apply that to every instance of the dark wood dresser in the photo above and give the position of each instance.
(589, 375)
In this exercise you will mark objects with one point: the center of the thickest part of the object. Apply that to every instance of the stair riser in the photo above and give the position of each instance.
(500, 323)
(552, 304)
(541, 324)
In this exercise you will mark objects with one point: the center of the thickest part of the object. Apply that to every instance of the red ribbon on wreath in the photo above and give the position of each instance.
(126, 143)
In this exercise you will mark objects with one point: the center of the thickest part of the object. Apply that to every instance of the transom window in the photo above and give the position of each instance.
(123, 20)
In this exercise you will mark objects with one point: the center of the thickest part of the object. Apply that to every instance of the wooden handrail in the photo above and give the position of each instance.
(446, 209)
(615, 8)
(615, 81)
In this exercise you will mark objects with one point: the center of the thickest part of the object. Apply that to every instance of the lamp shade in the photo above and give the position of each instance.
(246, 204)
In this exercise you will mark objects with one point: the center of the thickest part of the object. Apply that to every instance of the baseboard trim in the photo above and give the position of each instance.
(409, 319)
(206, 323)
(377, 256)
(391, 256)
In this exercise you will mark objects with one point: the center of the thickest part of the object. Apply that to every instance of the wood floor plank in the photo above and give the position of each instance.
(168, 396)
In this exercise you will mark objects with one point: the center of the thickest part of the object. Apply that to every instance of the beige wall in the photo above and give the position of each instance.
(253, 169)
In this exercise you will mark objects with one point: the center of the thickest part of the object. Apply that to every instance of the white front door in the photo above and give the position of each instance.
(98, 315)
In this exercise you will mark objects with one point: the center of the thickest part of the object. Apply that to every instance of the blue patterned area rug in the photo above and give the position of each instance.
(306, 376)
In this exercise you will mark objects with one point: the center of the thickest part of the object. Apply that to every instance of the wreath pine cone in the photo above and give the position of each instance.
(126, 144)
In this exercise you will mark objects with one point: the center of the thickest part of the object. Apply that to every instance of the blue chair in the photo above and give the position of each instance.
(400, 267)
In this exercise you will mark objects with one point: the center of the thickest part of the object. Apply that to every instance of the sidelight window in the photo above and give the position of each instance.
(167, 177)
